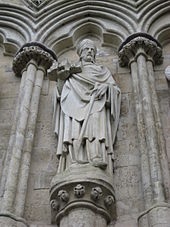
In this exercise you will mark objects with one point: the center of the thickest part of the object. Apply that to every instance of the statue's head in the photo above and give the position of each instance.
(87, 50)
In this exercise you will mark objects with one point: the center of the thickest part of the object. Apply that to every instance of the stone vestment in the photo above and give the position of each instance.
(72, 108)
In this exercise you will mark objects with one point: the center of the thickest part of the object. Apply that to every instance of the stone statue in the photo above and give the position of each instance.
(86, 113)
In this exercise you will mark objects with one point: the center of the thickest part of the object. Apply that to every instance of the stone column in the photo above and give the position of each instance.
(141, 52)
(31, 63)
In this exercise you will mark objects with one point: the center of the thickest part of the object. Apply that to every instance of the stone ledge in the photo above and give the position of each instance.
(157, 215)
(8, 219)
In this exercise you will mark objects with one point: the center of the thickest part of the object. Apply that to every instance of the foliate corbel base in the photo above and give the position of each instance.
(82, 186)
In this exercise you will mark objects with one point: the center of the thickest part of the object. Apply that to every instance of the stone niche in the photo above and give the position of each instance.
(126, 176)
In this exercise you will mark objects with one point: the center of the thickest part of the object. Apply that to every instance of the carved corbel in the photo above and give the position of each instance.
(96, 196)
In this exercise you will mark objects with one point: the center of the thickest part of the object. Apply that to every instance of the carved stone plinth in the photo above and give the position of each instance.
(82, 186)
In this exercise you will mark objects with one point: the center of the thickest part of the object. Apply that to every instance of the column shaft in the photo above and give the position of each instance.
(12, 178)
(150, 130)
(29, 138)
(145, 170)
(83, 218)
(159, 130)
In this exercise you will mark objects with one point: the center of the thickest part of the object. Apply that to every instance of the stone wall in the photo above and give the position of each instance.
(127, 167)
(44, 162)
(9, 88)
(127, 158)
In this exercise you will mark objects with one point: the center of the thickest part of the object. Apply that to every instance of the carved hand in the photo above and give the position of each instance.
(101, 90)
(59, 70)
(63, 70)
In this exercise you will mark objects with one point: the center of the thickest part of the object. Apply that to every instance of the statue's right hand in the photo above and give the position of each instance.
(52, 71)
(62, 74)
(59, 70)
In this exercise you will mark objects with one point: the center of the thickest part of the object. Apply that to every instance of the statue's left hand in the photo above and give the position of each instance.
(101, 90)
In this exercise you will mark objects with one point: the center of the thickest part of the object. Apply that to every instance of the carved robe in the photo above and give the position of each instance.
(71, 109)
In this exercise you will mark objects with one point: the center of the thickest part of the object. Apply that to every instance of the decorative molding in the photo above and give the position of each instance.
(109, 200)
(63, 196)
(79, 191)
(54, 205)
(25, 24)
(94, 195)
(36, 4)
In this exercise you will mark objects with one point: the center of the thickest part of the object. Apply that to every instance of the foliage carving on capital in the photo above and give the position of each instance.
(93, 194)
(96, 193)
(79, 191)
(109, 200)
(33, 51)
(130, 50)
(54, 205)
(63, 196)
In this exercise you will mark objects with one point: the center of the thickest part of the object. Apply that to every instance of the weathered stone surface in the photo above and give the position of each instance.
(6, 222)
(43, 160)
(61, 26)
(83, 218)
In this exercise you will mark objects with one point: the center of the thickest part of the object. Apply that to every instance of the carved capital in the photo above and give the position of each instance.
(33, 51)
(140, 43)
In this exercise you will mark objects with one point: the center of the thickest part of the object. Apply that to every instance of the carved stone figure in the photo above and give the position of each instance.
(86, 113)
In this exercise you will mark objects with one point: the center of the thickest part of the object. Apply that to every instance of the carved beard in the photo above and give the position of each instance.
(87, 57)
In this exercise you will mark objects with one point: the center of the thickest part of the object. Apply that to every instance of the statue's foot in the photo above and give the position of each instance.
(98, 162)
